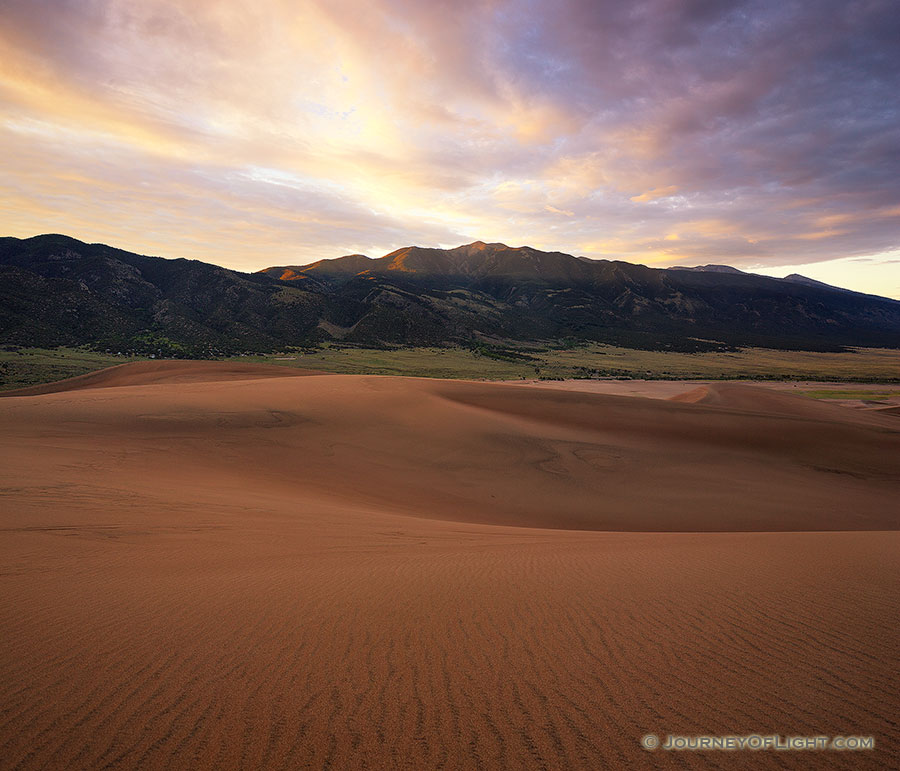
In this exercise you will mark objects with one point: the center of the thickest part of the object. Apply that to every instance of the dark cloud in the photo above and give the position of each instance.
(795, 94)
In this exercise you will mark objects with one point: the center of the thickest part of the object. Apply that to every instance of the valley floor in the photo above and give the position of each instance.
(23, 367)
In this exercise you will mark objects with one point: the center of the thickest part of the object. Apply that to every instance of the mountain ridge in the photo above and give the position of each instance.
(56, 290)
(396, 260)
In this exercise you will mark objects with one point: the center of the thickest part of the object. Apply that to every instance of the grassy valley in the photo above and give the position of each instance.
(29, 366)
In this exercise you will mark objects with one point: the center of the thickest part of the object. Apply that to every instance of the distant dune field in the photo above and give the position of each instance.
(207, 567)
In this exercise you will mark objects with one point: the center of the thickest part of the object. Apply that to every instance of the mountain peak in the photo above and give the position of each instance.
(708, 269)
(481, 246)
(798, 278)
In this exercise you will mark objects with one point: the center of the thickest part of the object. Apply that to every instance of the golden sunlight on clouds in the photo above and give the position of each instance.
(652, 195)
(819, 235)
(227, 130)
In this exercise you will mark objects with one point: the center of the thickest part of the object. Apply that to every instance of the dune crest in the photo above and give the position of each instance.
(162, 371)
(694, 396)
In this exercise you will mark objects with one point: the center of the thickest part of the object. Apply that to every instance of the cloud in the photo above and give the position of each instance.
(591, 126)
(652, 195)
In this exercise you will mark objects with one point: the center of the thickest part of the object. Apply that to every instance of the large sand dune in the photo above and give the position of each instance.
(227, 570)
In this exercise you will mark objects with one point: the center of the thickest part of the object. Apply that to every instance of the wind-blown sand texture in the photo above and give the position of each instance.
(227, 570)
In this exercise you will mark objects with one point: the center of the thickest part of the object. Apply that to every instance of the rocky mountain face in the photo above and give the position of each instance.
(55, 290)
(524, 293)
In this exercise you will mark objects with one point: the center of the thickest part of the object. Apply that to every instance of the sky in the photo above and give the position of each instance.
(764, 135)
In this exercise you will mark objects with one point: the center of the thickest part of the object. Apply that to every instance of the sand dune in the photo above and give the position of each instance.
(162, 371)
(771, 402)
(852, 395)
(652, 389)
(351, 572)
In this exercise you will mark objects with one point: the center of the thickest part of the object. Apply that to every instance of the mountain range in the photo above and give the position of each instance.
(56, 290)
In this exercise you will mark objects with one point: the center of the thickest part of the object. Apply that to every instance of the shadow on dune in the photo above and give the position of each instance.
(721, 458)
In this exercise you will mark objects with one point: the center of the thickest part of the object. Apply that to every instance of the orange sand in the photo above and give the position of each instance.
(226, 570)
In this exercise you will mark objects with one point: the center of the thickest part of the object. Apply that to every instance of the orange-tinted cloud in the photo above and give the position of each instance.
(246, 132)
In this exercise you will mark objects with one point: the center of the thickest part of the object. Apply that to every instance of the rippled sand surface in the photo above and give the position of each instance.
(212, 568)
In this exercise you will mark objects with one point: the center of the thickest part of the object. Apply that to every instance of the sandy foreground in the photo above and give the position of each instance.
(202, 566)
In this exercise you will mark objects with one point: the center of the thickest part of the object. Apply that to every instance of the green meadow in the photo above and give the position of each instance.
(29, 366)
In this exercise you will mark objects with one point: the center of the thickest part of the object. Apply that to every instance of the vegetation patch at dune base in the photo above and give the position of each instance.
(22, 367)
(859, 364)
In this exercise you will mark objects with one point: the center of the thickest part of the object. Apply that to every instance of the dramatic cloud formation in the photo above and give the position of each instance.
(249, 132)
